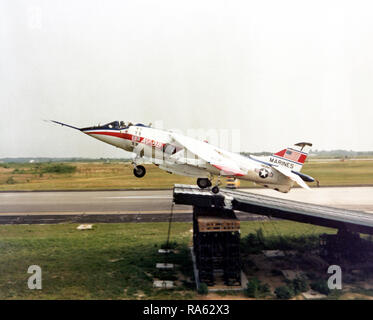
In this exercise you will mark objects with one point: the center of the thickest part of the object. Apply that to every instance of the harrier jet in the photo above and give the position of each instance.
(183, 155)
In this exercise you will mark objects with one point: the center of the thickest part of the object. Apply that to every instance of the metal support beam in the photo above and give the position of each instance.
(351, 220)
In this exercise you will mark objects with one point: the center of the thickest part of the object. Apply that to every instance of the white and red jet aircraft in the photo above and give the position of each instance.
(179, 154)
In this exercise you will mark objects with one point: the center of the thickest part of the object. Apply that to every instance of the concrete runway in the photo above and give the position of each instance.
(89, 207)
(92, 202)
(152, 205)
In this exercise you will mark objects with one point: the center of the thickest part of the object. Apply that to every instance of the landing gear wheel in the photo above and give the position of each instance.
(203, 183)
(215, 189)
(139, 171)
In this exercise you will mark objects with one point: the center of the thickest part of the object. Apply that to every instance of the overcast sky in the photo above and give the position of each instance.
(280, 72)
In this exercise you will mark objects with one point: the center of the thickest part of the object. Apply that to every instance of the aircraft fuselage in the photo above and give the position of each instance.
(151, 144)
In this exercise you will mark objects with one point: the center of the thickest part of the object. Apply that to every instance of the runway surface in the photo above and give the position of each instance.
(92, 202)
(126, 206)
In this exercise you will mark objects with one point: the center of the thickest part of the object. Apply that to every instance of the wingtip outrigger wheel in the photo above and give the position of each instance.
(139, 171)
(215, 189)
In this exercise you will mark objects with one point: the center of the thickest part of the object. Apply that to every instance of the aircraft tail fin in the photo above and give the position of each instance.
(292, 157)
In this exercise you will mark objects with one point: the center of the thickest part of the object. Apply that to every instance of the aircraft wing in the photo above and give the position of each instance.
(211, 154)
(292, 176)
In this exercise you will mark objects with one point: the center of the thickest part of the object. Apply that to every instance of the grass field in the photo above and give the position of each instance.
(100, 175)
(112, 261)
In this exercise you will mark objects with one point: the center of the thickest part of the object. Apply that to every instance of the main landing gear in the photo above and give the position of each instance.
(139, 171)
(204, 183)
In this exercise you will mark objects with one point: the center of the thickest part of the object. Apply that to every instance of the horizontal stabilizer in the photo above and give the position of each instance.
(304, 176)
(292, 176)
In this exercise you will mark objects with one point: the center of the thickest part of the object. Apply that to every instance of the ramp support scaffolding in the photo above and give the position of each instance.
(216, 245)
(216, 229)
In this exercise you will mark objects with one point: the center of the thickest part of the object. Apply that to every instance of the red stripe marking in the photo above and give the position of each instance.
(131, 137)
(229, 171)
(280, 153)
(302, 158)
(125, 136)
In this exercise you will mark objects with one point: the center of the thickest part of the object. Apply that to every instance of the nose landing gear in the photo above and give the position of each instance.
(139, 171)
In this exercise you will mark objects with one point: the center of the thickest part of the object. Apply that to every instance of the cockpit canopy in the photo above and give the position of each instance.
(118, 125)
